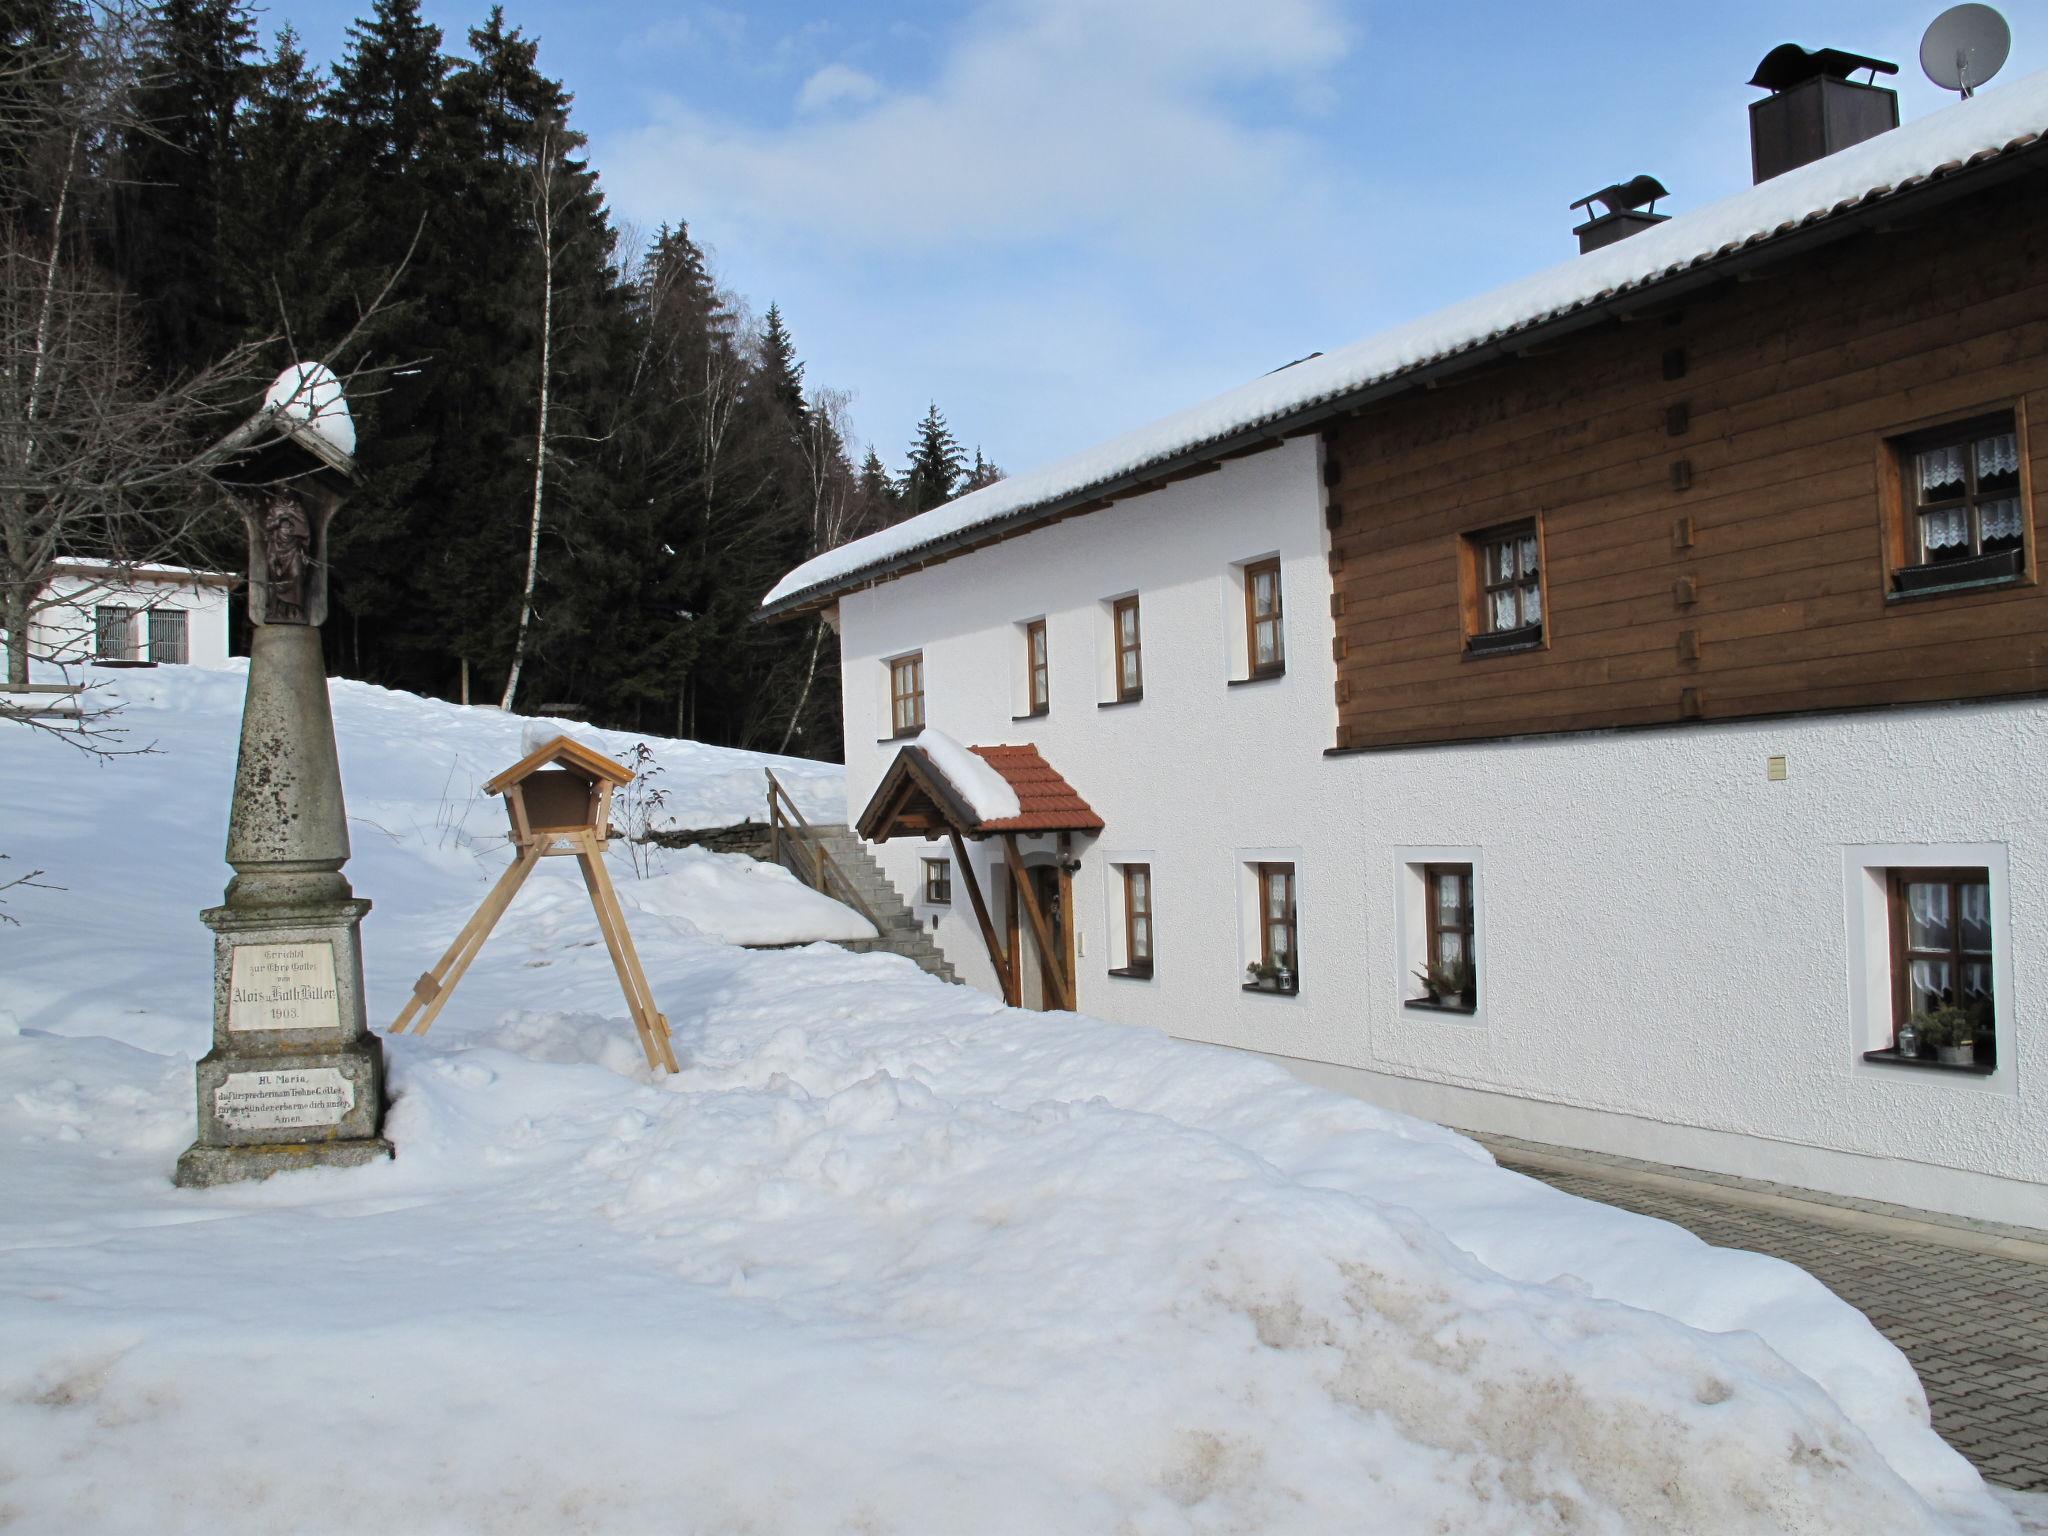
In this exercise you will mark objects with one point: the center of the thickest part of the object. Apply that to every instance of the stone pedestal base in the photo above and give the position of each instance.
(201, 1166)
(294, 1080)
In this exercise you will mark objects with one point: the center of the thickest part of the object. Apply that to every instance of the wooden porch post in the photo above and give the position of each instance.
(1055, 962)
(1005, 971)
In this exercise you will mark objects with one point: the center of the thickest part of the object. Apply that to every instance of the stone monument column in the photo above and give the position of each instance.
(295, 1079)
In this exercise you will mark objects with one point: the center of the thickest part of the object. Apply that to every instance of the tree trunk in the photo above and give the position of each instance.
(14, 612)
(546, 208)
(810, 676)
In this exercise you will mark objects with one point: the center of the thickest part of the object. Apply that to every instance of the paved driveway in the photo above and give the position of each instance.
(1975, 1325)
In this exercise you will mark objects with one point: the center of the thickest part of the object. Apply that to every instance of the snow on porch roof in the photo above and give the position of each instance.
(1045, 801)
(1937, 148)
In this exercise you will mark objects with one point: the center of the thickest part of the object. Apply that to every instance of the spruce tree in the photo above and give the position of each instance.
(779, 365)
(180, 183)
(935, 464)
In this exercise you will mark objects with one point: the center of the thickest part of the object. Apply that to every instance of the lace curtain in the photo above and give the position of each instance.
(1945, 530)
(2001, 519)
(1941, 474)
(1998, 456)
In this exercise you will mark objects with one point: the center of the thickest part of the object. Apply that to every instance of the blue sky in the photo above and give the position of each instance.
(1063, 218)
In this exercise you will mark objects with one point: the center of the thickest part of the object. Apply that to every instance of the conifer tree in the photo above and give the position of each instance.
(779, 367)
(935, 464)
(180, 180)
(981, 473)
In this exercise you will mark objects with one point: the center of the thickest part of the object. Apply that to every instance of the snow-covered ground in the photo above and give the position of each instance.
(885, 1257)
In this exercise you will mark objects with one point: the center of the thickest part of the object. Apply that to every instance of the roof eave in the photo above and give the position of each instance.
(1929, 190)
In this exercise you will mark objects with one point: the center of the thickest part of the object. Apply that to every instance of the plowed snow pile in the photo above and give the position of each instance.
(886, 1257)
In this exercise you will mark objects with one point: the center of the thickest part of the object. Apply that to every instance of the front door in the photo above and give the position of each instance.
(1036, 986)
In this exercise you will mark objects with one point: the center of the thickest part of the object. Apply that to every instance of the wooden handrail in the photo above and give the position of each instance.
(819, 858)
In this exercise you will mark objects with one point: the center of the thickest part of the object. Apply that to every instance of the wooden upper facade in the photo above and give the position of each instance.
(1720, 493)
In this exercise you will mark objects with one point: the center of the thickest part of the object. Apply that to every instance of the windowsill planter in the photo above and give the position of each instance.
(1890, 1057)
(1506, 641)
(1996, 569)
(1433, 1005)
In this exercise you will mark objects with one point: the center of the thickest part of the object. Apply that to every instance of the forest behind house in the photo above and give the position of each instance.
(583, 459)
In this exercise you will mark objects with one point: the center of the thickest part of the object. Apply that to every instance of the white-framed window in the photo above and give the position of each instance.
(1930, 962)
(1440, 938)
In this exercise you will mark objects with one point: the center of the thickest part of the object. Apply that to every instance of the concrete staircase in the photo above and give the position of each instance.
(902, 933)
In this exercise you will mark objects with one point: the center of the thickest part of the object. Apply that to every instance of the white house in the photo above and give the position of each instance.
(131, 615)
(1608, 712)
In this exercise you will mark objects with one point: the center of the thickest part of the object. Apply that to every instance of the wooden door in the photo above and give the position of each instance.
(1045, 884)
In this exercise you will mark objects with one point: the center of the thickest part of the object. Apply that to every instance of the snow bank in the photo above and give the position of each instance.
(2001, 116)
(739, 900)
(886, 1257)
(310, 392)
(987, 793)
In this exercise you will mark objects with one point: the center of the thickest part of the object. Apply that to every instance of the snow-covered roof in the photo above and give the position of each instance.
(144, 570)
(1936, 146)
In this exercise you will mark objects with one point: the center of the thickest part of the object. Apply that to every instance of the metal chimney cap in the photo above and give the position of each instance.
(1788, 65)
(1633, 193)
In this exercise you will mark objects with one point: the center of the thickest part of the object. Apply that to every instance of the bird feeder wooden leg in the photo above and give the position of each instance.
(432, 989)
(611, 921)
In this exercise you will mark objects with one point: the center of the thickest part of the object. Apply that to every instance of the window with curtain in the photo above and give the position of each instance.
(1035, 661)
(1509, 589)
(1265, 647)
(1965, 510)
(1279, 950)
(1138, 919)
(1130, 666)
(168, 636)
(113, 634)
(1942, 959)
(906, 694)
(1452, 976)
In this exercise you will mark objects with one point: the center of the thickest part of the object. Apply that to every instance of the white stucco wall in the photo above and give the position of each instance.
(62, 636)
(1675, 956)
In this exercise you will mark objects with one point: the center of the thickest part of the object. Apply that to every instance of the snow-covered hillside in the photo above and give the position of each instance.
(885, 1257)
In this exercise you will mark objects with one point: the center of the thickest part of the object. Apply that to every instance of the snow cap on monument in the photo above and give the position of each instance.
(310, 392)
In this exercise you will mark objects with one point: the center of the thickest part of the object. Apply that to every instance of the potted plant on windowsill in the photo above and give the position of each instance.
(1449, 986)
(1264, 975)
(1283, 971)
(1949, 1031)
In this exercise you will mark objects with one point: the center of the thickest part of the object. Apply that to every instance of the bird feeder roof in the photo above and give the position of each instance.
(562, 752)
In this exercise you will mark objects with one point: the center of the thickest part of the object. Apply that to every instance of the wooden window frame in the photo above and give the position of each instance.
(1133, 911)
(938, 882)
(1476, 589)
(1277, 667)
(1135, 650)
(1262, 876)
(1038, 667)
(1434, 927)
(1897, 878)
(1908, 575)
(900, 695)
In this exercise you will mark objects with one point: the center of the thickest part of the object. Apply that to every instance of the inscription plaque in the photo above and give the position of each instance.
(266, 1101)
(283, 986)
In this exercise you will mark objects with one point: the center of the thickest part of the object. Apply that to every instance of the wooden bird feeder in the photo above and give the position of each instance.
(559, 801)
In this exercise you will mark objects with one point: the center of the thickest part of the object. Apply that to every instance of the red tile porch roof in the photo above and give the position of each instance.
(1047, 802)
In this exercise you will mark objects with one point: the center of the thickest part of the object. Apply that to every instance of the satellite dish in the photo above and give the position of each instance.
(1964, 47)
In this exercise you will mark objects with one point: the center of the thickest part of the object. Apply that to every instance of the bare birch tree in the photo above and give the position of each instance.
(548, 209)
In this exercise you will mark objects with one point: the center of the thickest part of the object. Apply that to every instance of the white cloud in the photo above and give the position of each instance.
(836, 85)
(1143, 120)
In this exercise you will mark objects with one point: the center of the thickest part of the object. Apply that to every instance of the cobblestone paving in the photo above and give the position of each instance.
(1974, 1325)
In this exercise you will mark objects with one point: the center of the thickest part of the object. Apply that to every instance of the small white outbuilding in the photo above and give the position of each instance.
(130, 616)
